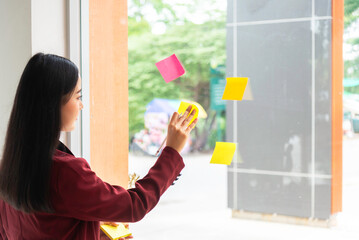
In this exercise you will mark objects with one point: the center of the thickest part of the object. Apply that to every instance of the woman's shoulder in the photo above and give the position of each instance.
(65, 160)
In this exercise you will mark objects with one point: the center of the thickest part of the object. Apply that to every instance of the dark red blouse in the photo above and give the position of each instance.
(81, 200)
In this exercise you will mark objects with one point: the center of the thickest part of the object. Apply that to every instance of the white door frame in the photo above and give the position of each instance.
(78, 52)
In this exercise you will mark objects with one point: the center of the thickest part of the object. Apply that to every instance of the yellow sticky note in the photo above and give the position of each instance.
(116, 232)
(223, 153)
(235, 88)
(182, 108)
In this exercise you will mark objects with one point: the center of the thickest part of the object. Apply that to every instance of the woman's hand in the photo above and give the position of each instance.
(113, 224)
(178, 129)
(103, 236)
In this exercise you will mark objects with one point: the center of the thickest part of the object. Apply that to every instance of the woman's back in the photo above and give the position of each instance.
(19, 225)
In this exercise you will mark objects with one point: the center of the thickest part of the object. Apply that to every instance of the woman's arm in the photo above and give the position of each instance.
(83, 195)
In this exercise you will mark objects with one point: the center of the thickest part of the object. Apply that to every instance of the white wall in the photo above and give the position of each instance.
(26, 27)
(15, 50)
(49, 27)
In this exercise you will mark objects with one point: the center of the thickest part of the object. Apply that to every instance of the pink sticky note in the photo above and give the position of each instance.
(170, 68)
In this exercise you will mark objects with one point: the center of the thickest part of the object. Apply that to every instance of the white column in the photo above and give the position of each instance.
(29, 27)
(15, 50)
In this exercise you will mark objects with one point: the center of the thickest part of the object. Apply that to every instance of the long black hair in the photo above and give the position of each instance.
(33, 132)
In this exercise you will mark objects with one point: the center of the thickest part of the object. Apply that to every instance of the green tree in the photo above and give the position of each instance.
(196, 45)
(351, 18)
(138, 22)
(350, 12)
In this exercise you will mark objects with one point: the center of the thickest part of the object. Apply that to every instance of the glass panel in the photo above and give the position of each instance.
(284, 147)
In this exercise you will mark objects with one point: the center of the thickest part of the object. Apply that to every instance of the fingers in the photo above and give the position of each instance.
(180, 116)
(128, 237)
(174, 118)
(186, 122)
(191, 126)
(188, 110)
(185, 114)
(111, 224)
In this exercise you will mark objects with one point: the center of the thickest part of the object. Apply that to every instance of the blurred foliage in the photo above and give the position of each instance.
(212, 139)
(350, 12)
(196, 45)
(138, 11)
(351, 18)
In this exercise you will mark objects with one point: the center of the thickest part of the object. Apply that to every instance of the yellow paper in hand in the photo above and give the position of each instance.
(223, 153)
(235, 88)
(184, 105)
(115, 232)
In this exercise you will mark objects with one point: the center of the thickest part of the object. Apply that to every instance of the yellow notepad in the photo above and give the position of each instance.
(184, 105)
(235, 88)
(115, 232)
(223, 153)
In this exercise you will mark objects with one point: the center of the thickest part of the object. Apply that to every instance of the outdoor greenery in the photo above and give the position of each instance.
(196, 45)
(351, 19)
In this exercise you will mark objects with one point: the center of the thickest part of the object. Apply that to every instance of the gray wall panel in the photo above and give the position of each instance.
(274, 194)
(284, 133)
(229, 121)
(322, 198)
(323, 96)
(230, 192)
(258, 10)
(230, 52)
(230, 12)
(323, 8)
(272, 128)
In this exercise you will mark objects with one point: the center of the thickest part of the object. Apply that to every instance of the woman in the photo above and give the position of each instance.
(46, 192)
